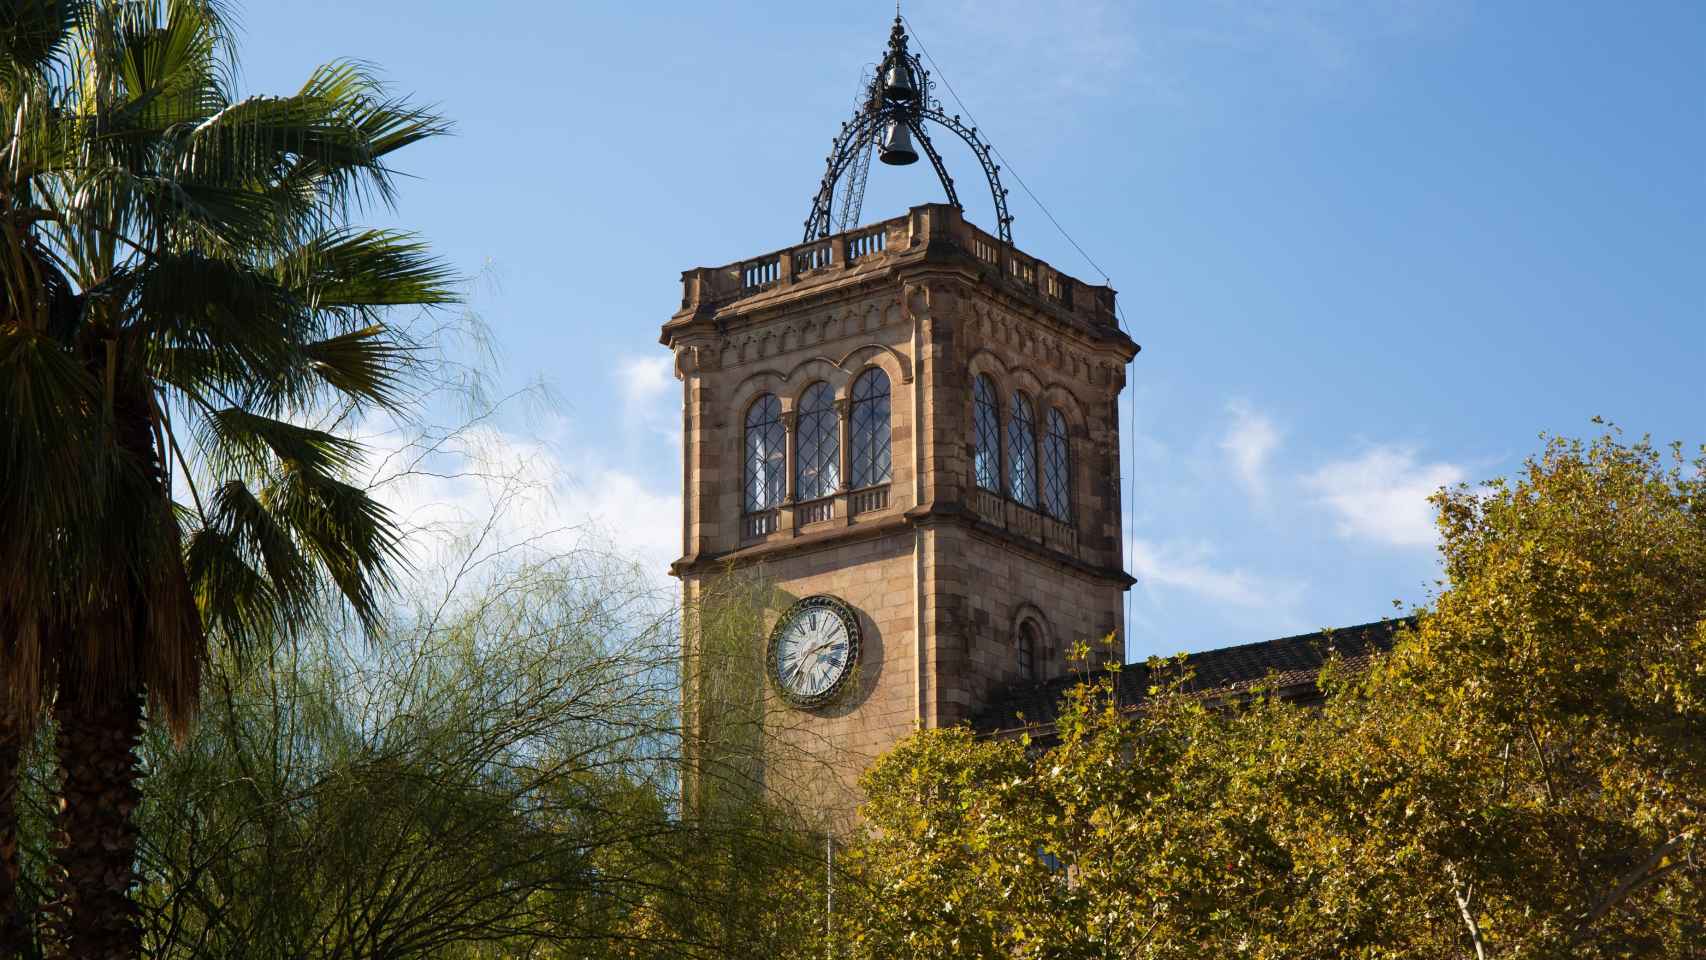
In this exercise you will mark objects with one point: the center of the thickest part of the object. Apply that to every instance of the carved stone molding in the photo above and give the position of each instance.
(1038, 349)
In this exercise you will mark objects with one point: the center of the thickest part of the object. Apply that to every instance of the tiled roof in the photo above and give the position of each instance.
(1292, 662)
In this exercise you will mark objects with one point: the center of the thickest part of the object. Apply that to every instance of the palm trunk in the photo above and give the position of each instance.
(14, 930)
(98, 709)
(92, 916)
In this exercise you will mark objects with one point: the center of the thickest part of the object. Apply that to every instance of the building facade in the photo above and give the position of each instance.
(914, 426)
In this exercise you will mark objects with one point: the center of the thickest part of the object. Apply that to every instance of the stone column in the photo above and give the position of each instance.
(844, 456)
(789, 418)
(785, 515)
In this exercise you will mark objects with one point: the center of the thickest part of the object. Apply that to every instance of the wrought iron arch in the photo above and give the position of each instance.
(879, 109)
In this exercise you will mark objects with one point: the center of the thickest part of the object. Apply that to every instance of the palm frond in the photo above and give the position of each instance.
(212, 325)
(365, 365)
(34, 35)
(250, 576)
(237, 602)
(168, 75)
(177, 263)
(82, 517)
(368, 268)
(238, 441)
(384, 123)
(352, 537)
(45, 450)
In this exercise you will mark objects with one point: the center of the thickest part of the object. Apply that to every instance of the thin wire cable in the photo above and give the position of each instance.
(1005, 162)
(1128, 549)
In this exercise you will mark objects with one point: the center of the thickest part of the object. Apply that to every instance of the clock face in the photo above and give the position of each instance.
(813, 649)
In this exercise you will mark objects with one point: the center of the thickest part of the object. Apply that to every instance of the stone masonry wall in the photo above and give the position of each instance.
(970, 564)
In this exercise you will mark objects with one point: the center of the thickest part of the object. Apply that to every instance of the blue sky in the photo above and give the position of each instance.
(1368, 246)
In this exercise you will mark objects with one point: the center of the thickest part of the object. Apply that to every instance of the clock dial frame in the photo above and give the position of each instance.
(813, 651)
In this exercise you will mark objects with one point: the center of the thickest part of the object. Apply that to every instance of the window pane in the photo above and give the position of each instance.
(764, 454)
(1057, 475)
(1022, 451)
(986, 425)
(869, 425)
(1028, 651)
(817, 452)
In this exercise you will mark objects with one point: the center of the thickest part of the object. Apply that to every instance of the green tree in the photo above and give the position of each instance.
(493, 782)
(1523, 776)
(183, 297)
(498, 780)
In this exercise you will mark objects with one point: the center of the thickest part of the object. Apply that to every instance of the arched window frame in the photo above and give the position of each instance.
(986, 433)
(870, 460)
(766, 454)
(1029, 651)
(1057, 466)
(1022, 450)
(817, 444)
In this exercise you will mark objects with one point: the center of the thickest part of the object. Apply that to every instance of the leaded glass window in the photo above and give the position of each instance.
(766, 442)
(1057, 463)
(1022, 451)
(868, 423)
(1028, 644)
(817, 447)
(986, 427)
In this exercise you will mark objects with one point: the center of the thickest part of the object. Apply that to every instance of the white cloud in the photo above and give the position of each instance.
(644, 380)
(1189, 567)
(650, 403)
(484, 493)
(1249, 443)
(1382, 495)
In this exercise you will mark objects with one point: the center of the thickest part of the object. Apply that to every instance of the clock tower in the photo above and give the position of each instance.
(909, 429)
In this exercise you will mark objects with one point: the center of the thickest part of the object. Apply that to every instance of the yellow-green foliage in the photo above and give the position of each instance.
(1525, 776)
(723, 688)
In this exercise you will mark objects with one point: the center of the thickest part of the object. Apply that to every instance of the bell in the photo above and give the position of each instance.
(898, 82)
(896, 145)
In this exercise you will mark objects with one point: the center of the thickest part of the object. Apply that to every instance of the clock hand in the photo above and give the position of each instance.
(816, 648)
(800, 663)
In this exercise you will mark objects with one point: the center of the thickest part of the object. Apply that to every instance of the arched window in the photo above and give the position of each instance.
(1029, 643)
(986, 430)
(765, 439)
(1057, 472)
(817, 447)
(868, 422)
(1022, 451)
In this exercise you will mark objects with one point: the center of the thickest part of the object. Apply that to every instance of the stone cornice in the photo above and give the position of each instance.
(941, 513)
(718, 301)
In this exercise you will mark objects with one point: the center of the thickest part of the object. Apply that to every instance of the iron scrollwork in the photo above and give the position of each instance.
(881, 111)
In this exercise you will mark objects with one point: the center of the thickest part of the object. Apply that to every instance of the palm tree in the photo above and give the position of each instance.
(185, 315)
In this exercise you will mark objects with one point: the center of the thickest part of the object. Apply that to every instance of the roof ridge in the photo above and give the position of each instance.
(1018, 695)
(1295, 637)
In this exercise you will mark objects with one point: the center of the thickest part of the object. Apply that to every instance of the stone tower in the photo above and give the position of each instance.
(920, 421)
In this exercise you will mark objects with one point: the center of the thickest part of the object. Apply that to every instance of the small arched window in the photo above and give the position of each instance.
(817, 449)
(765, 439)
(1022, 451)
(868, 422)
(1029, 644)
(1057, 464)
(986, 434)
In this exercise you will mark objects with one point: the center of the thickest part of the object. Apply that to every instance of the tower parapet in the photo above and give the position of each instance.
(933, 231)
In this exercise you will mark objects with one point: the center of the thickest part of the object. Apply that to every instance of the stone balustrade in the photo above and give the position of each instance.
(1021, 521)
(760, 524)
(815, 511)
(933, 225)
(867, 500)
